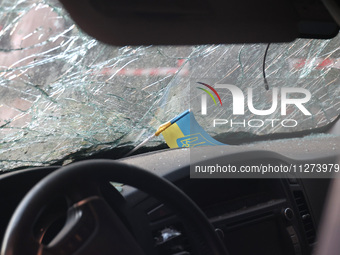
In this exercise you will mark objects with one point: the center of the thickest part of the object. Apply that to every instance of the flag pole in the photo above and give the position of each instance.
(139, 145)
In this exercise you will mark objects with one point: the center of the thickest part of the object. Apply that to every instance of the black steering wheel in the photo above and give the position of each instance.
(92, 227)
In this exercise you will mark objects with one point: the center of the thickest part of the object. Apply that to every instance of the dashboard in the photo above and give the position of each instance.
(251, 216)
(263, 216)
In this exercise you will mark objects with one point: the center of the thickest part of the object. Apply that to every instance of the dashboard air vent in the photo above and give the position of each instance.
(305, 216)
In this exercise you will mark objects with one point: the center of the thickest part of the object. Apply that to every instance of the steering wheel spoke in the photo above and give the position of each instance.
(92, 227)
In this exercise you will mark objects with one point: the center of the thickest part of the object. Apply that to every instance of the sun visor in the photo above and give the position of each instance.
(188, 22)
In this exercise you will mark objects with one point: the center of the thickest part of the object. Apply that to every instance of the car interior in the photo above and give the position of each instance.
(149, 202)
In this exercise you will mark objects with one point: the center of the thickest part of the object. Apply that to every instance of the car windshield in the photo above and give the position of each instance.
(65, 94)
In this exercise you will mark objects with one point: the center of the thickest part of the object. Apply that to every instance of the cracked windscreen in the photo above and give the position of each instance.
(64, 93)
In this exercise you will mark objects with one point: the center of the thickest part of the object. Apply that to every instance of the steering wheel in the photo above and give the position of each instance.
(92, 227)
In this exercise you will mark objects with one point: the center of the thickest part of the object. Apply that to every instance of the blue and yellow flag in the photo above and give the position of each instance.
(184, 131)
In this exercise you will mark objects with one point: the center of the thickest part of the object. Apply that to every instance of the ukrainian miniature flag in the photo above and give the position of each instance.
(184, 131)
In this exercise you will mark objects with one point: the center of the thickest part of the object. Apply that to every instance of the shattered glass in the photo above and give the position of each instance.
(63, 92)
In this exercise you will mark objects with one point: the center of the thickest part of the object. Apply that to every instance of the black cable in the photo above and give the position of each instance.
(264, 68)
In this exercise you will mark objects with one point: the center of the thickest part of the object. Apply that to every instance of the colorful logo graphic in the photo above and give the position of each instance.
(209, 93)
